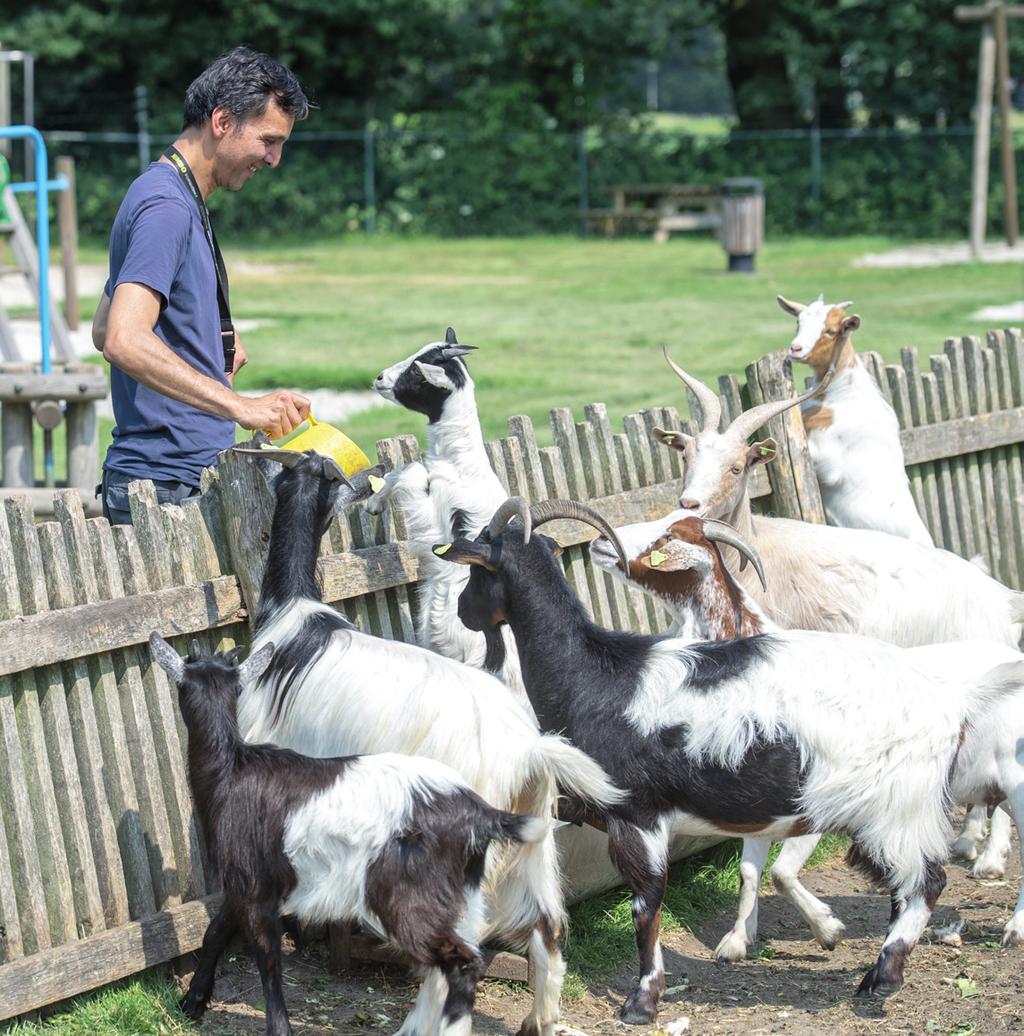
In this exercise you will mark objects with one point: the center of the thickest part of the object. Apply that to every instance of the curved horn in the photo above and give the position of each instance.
(549, 510)
(286, 458)
(513, 507)
(195, 652)
(723, 532)
(793, 308)
(449, 352)
(710, 404)
(750, 420)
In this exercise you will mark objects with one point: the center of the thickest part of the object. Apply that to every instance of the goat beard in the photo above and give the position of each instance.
(494, 659)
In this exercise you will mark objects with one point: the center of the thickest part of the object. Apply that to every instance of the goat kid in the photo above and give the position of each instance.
(685, 571)
(773, 735)
(452, 492)
(853, 435)
(395, 843)
(332, 690)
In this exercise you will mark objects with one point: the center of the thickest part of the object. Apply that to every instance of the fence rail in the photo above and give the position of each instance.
(102, 867)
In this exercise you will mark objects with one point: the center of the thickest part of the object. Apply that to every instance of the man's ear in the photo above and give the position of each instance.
(222, 122)
(849, 324)
(761, 452)
(466, 552)
(673, 440)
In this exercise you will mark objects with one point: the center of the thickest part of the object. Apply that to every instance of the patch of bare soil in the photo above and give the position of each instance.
(794, 988)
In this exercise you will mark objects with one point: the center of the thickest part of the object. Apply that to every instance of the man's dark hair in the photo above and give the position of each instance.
(242, 81)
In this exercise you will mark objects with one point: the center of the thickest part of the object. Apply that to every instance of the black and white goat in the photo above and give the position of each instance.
(394, 842)
(332, 690)
(774, 735)
(452, 492)
(685, 571)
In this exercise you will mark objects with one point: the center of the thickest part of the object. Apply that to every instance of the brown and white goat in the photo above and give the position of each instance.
(853, 435)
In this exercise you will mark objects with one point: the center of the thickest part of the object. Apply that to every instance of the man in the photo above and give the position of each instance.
(163, 322)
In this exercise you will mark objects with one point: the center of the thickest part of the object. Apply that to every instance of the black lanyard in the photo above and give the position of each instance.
(227, 329)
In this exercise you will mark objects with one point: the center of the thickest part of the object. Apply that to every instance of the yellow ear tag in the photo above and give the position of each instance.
(764, 450)
(657, 558)
(442, 549)
(669, 439)
(376, 483)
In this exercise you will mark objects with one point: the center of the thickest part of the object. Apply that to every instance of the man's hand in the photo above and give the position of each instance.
(277, 413)
(241, 359)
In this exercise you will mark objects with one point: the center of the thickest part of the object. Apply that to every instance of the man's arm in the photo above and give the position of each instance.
(99, 322)
(131, 345)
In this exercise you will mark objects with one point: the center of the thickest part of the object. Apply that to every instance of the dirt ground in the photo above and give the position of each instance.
(794, 987)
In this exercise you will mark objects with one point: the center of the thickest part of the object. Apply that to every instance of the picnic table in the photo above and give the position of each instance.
(661, 208)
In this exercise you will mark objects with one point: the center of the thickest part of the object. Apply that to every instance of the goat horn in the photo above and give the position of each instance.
(449, 352)
(549, 510)
(194, 650)
(710, 404)
(723, 532)
(793, 308)
(286, 458)
(513, 507)
(750, 420)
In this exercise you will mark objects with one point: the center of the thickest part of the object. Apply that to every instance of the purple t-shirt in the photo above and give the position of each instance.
(158, 240)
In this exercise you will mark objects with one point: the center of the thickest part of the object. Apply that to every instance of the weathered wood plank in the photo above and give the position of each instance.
(85, 724)
(1014, 486)
(639, 441)
(897, 380)
(31, 727)
(919, 417)
(65, 971)
(597, 416)
(75, 818)
(979, 400)
(116, 623)
(950, 538)
(959, 436)
(961, 507)
(975, 512)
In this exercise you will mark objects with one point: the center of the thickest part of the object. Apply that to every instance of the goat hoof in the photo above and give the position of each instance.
(964, 849)
(193, 1009)
(831, 934)
(529, 1028)
(732, 948)
(988, 870)
(638, 1010)
(876, 984)
(1013, 936)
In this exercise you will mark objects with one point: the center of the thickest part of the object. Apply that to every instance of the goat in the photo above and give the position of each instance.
(332, 690)
(820, 577)
(774, 735)
(394, 842)
(453, 491)
(685, 571)
(853, 435)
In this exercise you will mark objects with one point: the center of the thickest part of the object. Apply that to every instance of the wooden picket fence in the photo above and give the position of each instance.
(102, 868)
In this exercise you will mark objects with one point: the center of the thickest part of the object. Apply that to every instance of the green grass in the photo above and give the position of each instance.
(564, 322)
(601, 937)
(138, 1007)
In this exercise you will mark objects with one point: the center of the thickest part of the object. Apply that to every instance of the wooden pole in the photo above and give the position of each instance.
(67, 221)
(1010, 220)
(982, 139)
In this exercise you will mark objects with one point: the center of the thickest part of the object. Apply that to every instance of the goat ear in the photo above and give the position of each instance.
(677, 556)
(434, 375)
(849, 324)
(673, 440)
(449, 337)
(166, 657)
(761, 452)
(466, 552)
(255, 665)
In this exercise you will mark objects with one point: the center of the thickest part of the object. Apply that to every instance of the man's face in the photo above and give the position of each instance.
(246, 146)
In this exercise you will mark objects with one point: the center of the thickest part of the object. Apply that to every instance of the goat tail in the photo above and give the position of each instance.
(575, 772)
(518, 827)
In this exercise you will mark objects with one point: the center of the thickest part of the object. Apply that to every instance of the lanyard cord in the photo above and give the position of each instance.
(227, 329)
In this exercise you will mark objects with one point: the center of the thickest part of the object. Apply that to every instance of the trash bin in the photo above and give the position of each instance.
(742, 221)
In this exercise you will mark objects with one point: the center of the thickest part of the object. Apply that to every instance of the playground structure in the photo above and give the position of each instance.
(42, 392)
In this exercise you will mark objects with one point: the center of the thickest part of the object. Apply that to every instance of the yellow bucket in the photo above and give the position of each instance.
(327, 440)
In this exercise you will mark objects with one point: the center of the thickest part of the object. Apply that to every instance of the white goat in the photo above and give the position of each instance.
(331, 690)
(853, 435)
(683, 568)
(452, 492)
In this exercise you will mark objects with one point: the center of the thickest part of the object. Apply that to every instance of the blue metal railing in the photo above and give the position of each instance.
(41, 186)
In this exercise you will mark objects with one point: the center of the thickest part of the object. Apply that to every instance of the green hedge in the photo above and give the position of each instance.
(459, 175)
